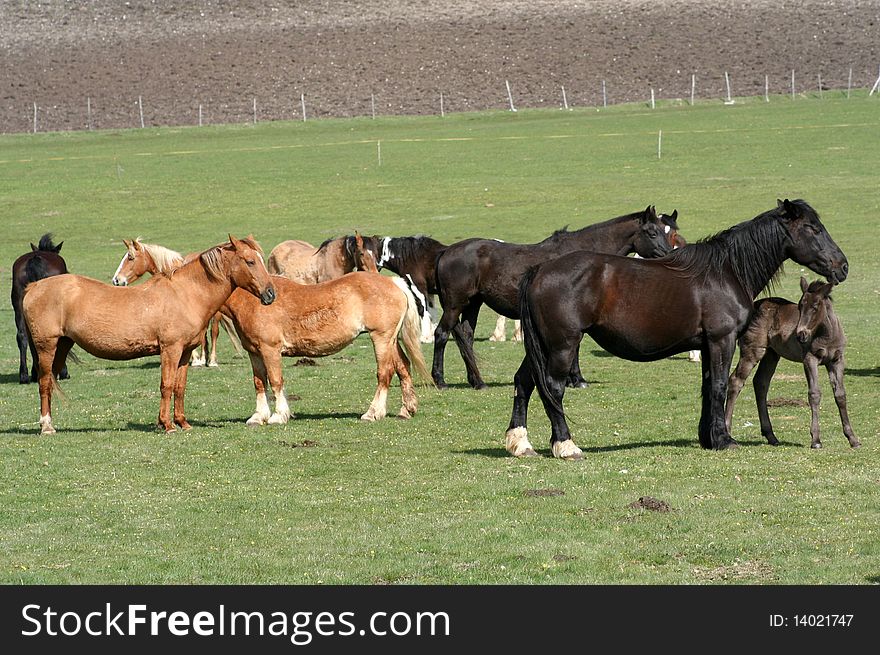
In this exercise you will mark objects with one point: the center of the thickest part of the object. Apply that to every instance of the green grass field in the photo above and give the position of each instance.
(109, 499)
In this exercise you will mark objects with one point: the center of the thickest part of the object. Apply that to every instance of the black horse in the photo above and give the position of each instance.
(42, 261)
(476, 271)
(643, 310)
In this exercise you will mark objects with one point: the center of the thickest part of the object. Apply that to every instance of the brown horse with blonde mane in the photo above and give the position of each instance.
(315, 320)
(301, 262)
(143, 258)
(165, 317)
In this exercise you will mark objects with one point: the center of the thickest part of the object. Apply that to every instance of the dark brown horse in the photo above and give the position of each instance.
(643, 310)
(166, 316)
(808, 332)
(476, 271)
(43, 261)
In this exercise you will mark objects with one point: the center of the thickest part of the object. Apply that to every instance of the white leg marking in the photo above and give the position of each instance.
(517, 332)
(516, 441)
(694, 356)
(499, 333)
(261, 414)
(282, 409)
(46, 425)
(567, 450)
(377, 409)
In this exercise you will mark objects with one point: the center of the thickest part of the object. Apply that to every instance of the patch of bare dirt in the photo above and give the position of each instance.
(400, 55)
(651, 504)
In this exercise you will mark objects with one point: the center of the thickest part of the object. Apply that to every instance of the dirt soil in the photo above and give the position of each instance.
(346, 56)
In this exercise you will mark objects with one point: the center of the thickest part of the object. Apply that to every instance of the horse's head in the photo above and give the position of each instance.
(248, 271)
(809, 242)
(133, 264)
(651, 240)
(670, 227)
(813, 308)
(364, 259)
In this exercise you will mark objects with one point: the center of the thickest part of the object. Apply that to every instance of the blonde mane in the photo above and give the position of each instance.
(165, 259)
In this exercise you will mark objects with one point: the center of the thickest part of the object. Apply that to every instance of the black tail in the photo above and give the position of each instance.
(35, 269)
(536, 350)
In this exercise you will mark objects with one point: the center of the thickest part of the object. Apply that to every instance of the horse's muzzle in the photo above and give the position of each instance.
(839, 273)
(803, 335)
(268, 296)
(119, 283)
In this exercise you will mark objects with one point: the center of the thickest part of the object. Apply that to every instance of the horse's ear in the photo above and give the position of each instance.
(233, 241)
(33, 247)
(58, 247)
(789, 211)
(804, 284)
(674, 215)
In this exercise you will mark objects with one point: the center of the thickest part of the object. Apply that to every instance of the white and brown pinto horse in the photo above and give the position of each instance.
(165, 317)
(315, 320)
(301, 262)
(142, 258)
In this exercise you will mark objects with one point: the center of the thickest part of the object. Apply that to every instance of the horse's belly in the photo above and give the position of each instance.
(318, 343)
(642, 346)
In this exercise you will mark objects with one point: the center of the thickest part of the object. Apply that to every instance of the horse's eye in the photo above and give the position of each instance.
(250, 262)
(130, 257)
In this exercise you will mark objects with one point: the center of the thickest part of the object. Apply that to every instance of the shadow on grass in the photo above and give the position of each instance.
(9, 378)
(861, 372)
(873, 579)
(465, 385)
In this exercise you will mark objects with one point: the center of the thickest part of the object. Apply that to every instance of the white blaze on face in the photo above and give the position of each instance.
(666, 229)
(120, 281)
(387, 255)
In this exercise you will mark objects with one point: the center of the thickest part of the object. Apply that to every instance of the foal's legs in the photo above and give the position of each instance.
(748, 358)
(761, 383)
(814, 395)
(835, 375)
(516, 439)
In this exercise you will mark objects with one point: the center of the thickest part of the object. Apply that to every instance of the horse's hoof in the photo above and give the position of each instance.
(577, 385)
(24, 380)
(728, 444)
(170, 429)
(482, 386)
(184, 426)
(855, 444)
(47, 429)
(816, 446)
(369, 418)
(567, 450)
(213, 365)
(404, 414)
(442, 386)
(255, 421)
(64, 375)
(277, 419)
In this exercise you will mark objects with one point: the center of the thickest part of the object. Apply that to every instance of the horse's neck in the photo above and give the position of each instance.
(606, 238)
(204, 292)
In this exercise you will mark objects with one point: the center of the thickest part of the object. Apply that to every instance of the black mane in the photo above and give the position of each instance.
(754, 250)
(565, 233)
(46, 243)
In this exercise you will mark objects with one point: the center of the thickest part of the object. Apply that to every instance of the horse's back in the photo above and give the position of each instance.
(289, 256)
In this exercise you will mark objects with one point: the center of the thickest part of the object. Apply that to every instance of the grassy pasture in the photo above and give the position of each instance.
(327, 499)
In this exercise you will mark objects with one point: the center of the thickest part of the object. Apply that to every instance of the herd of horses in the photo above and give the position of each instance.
(669, 298)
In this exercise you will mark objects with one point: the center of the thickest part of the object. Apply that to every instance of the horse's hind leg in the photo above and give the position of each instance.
(716, 370)
(200, 353)
(272, 362)
(21, 339)
(516, 439)
(499, 334)
(464, 338)
(170, 361)
(835, 375)
(45, 359)
(761, 383)
(448, 320)
(384, 345)
(407, 388)
(558, 368)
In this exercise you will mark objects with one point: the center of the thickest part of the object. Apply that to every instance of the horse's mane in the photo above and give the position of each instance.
(212, 258)
(165, 259)
(326, 243)
(753, 249)
(46, 243)
(409, 248)
(564, 232)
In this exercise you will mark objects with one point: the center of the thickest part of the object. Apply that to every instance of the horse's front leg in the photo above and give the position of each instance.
(835, 375)
(713, 428)
(499, 333)
(384, 346)
(45, 359)
(410, 402)
(170, 359)
(448, 320)
(464, 338)
(516, 439)
(215, 334)
(814, 396)
(180, 392)
(261, 413)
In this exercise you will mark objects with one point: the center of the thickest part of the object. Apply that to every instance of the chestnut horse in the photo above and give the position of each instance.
(808, 332)
(43, 261)
(476, 271)
(302, 262)
(643, 310)
(142, 258)
(315, 320)
(165, 316)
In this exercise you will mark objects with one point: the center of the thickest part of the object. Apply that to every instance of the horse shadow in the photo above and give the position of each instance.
(500, 452)
(9, 378)
(864, 372)
(465, 385)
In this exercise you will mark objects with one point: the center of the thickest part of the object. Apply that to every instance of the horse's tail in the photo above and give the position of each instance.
(536, 349)
(410, 328)
(229, 326)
